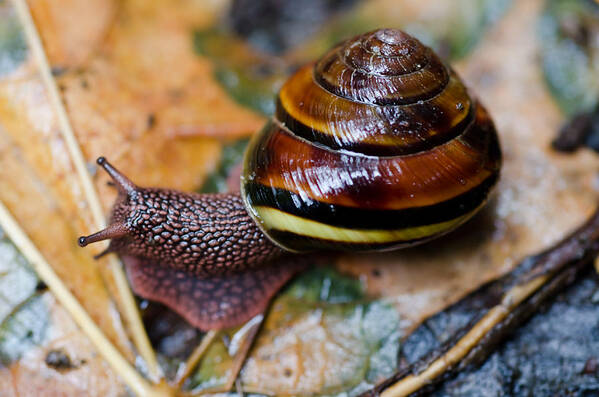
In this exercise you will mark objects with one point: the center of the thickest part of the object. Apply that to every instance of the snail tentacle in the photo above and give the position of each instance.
(113, 231)
(123, 183)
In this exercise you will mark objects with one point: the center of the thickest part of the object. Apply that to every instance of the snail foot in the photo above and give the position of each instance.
(210, 303)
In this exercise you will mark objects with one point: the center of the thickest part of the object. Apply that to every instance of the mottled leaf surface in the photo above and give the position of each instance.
(569, 37)
(321, 336)
(23, 316)
(13, 48)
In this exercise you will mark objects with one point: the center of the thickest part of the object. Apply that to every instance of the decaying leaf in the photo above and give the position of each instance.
(569, 32)
(321, 336)
(38, 185)
(13, 48)
(37, 180)
(32, 376)
(49, 226)
(23, 317)
(32, 325)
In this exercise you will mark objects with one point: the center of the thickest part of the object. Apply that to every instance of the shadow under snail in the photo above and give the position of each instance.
(376, 146)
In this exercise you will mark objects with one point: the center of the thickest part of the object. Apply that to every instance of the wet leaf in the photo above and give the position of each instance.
(17, 280)
(13, 49)
(38, 186)
(33, 343)
(569, 32)
(23, 329)
(32, 326)
(325, 285)
(251, 78)
(23, 315)
(322, 336)
(72, 31)
(112, 115)
(231, 157)
(122, 104)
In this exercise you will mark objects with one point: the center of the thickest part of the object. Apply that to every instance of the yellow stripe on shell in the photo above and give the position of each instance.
(275, 219)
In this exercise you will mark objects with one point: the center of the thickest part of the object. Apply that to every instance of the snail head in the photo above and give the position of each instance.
(119, 226)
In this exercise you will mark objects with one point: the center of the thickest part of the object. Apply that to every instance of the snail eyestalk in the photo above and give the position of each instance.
(115, 230)
(123, 183)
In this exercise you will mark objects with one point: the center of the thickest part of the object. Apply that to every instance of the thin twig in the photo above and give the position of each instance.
(128, 306)
(110, 353)
(194, 358)
(240, 353)
(238, 348)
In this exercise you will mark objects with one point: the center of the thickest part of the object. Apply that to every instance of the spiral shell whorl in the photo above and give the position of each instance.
(385, 67)
(388, 52)
(382, 94)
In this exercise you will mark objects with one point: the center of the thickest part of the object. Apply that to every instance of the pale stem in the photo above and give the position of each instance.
(241, 351)
(239, 348)
(128, 307)
(105, 348)
(185, 370)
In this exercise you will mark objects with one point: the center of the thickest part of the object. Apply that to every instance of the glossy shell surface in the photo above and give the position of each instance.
(376, 146)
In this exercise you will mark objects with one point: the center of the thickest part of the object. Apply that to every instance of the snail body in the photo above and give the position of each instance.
(377, 146)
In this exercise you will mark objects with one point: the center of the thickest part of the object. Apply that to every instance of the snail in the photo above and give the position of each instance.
(376, 146)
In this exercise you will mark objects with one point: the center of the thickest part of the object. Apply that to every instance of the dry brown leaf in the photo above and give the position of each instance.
(72, 29)
(147, 67)
(146, 100)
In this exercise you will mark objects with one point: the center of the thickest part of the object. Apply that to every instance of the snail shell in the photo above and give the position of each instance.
(376, 146)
